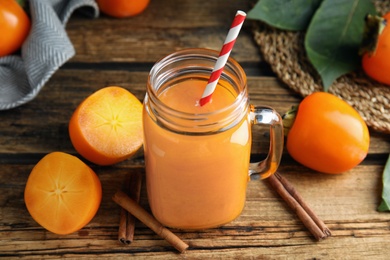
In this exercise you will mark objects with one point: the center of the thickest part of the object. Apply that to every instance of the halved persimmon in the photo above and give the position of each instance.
(106, 128)
(62, 193)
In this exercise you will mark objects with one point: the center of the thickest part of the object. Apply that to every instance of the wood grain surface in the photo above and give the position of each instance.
(121, 52)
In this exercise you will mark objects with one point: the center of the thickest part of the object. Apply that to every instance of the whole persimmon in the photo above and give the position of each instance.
(106, 128)
(327, 134)
(62, 193)
(14, 26)
(376, 63)
(122, 8)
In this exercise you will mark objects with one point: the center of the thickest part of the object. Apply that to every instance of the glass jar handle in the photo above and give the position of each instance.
(264, 115)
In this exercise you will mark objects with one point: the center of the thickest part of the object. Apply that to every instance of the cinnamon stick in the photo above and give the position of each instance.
(132, 187)
(134, 208)
(312, 222)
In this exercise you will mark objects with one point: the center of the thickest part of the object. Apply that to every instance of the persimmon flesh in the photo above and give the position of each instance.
(62, 193)
(106, 128)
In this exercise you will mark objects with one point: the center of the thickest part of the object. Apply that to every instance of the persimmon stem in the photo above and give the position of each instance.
(373, 28)
(288, 119)
(22, 3)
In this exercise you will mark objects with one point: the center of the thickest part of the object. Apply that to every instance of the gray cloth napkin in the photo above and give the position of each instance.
(46, 48)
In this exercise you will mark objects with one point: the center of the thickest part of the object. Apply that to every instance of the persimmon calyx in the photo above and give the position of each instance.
(289, 118)
(374, 26)
(22, 3)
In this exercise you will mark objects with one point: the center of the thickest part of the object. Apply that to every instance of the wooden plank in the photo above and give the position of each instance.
(42, 124)
(136, 39)
(121, 52)
(265, 223)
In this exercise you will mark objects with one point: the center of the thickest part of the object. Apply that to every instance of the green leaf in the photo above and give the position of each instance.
(285, 14)
(334, 35)
(385, 204)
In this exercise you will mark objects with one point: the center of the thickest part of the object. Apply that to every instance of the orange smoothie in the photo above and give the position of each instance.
(196, 181)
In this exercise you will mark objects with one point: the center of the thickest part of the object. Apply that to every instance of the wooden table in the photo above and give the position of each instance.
(121, 52)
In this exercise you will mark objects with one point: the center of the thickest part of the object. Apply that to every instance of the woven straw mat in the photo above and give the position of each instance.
(284, 51)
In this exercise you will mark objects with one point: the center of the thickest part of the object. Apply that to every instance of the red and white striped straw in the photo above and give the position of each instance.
(223, 56)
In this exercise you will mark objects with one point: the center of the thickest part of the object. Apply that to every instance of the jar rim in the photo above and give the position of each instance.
(198, 62)
(197, 53)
